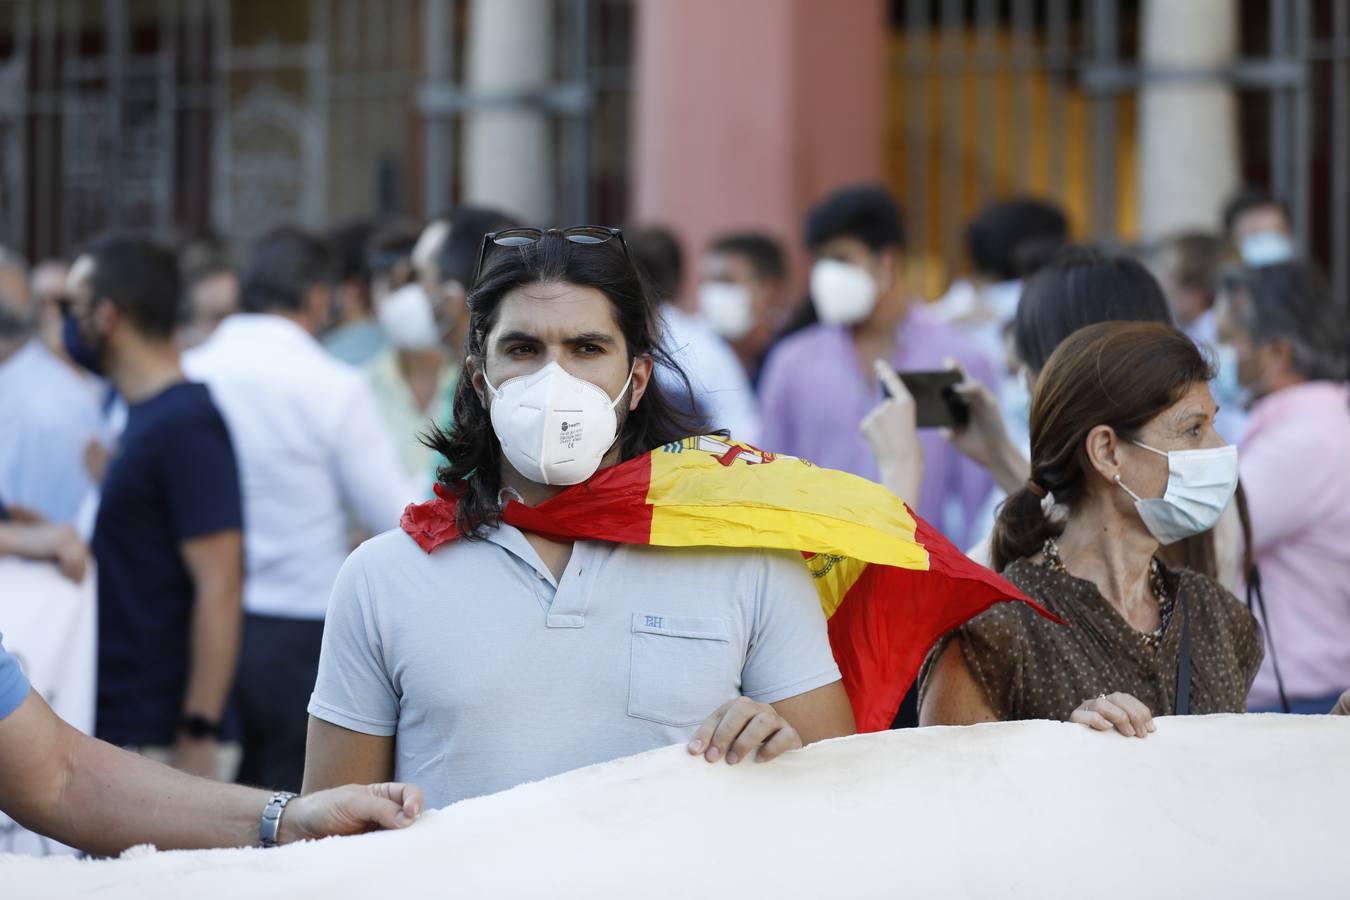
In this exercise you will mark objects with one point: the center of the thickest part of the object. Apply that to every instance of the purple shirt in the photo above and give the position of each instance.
(815, 395)
(1293, 464)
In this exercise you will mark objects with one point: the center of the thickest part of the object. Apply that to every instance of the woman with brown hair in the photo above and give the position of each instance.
(1122, 433)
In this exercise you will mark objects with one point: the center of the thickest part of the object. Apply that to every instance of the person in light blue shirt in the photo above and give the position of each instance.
(49, 411)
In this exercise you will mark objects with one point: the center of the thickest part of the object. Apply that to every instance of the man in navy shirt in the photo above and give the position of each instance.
(168, 535)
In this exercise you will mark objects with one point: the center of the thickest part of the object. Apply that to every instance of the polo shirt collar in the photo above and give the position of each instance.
(565, 603)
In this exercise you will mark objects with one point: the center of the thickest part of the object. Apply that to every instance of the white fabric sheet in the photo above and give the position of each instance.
(1222, 806)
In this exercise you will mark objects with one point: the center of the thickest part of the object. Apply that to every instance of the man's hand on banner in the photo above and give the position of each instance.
(742, 728)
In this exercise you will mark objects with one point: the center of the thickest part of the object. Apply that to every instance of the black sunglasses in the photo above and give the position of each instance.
(588, 235)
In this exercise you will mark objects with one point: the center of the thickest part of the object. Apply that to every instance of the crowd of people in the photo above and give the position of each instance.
(1150, 444)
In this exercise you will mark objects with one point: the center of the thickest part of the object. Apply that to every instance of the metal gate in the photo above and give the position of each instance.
(1056, 83)
(188, 117)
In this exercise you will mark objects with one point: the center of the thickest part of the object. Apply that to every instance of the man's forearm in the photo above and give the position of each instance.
(94, 796)
(217, 624)
(115, 800)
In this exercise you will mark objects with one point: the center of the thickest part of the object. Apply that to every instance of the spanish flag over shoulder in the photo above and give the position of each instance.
(889, 583)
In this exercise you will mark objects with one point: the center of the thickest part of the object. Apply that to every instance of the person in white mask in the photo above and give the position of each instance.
(505, 656)
(743, 294)
(413, 381)
(1259, 227)
(722, 394)
(424, 322)
(821, 383)
(1122, 433)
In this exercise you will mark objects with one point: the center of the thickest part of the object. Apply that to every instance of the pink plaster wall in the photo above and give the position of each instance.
(747, 111)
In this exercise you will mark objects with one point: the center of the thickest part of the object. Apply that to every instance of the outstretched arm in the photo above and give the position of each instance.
(91, 795)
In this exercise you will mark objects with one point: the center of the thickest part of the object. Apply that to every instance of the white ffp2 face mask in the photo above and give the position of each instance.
(1200, 485)
(554, 428)
(843, 294)
(727, 308)
(407, 317)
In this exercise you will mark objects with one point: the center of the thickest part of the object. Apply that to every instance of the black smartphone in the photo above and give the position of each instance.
(936, 403)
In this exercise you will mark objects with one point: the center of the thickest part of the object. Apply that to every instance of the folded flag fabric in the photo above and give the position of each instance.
(890, 584)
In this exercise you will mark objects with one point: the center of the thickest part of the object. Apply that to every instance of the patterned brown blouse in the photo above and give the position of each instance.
(1032, 668)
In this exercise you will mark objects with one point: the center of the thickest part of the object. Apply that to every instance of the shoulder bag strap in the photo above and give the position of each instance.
(1182, 706)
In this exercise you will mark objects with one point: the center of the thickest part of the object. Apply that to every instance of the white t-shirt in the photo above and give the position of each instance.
(312, 449)
(492, 674)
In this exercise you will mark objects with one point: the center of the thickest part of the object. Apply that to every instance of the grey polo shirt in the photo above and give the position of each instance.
(492, 674)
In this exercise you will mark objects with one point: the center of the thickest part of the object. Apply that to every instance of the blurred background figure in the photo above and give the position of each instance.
(168, 536)
(721, 392)
(425, 321)
(452, 269)
(1291, 345)
(743, 295)
(210, 293)
(821, 383)
(312, 450)
(49, 411)
(1257, 224)
(1187, 266)
(47, 284)
(354, 337)
(1006, 242)
(390, 258)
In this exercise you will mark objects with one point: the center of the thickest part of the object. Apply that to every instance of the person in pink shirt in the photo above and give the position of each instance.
(1291, 342)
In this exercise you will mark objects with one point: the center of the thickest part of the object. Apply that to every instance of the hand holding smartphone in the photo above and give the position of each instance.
(937, 405)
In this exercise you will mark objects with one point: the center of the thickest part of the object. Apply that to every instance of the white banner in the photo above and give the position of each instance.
(51, 625)
(1207, 806)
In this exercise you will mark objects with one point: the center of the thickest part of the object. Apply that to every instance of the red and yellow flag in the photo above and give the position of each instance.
(889, 583)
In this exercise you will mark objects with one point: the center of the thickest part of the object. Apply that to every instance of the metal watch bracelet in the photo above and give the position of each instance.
(271, 818)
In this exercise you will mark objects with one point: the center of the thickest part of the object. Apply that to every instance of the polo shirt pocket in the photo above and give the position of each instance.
(683, 668)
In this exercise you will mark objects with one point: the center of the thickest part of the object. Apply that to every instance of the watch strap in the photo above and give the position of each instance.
(271, 818)
(196, 726)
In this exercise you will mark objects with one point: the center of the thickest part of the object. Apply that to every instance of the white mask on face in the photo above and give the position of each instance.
(843, 294)
(1200, 485)
(408, 319)
(554, 428)
(727, 308)
(1266, 248)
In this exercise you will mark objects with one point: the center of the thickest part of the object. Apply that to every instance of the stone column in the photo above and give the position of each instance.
(745, 113)
(507, 158)
(1188, 126)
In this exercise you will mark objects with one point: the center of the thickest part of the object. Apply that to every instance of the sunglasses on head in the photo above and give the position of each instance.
(588, 235)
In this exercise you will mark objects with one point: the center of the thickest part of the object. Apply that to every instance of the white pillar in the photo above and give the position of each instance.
(507, 158)
(1188, 128)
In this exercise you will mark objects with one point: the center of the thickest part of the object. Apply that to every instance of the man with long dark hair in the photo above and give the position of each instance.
(509, 656)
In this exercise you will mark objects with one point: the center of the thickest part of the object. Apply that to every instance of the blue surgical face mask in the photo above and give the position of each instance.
(77, 348)
(1200, 485)
(1266, 248)
(1228, 390)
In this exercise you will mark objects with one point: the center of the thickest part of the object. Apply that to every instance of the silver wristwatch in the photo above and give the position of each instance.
(271, 818)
